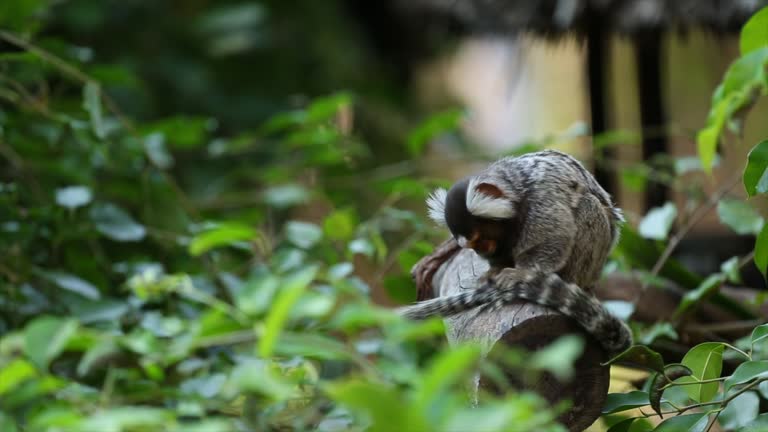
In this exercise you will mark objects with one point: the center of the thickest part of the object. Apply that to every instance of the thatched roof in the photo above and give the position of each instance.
(556, 17)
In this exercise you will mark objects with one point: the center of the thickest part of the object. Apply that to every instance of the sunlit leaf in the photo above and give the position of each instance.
(391, 412)
(73, 196)
(282, 196)
(222, 235)
(759, 424)
(740, 217)
(303, 234)
(126, 418)
(709, 286)
(46, 337)
(154, 146)
(116, 224)
(340, 225)
(706, 362)
(293, 287)
(14, 373)
(754, 34)
(73, 284)
(657, 223)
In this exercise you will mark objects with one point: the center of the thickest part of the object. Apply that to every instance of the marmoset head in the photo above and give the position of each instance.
(478, 214)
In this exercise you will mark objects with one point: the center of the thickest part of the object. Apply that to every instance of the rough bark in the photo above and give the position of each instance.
(528, 326)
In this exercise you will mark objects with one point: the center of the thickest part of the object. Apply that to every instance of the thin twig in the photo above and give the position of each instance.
(695, 218)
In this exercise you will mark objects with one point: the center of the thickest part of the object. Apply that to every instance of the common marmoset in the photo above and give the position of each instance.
(546, 228)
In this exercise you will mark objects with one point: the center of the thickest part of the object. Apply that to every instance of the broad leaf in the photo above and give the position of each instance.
(303, 234)
(754, 34)
(657, 223)
(756, 172)
(116, 224)
(760, 338)
(659, 380)
(73, 284)
(740, 411)
(617, 402)
(706, 362)
(73, 197)
(739, 216)
(684, 423)
(708, 287)
(222, 235)
(289, 294)
(761, 251)
(746, 372)
(46, 337)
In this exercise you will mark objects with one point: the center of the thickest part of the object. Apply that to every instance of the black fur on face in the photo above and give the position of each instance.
(461, 223)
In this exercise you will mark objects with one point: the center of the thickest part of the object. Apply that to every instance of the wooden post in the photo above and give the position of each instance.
(529, 326)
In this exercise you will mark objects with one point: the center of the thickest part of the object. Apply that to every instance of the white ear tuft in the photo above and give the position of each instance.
(436, 205)
(484, 205)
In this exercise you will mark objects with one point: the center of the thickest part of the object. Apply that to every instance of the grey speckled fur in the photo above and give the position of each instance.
(564, 226)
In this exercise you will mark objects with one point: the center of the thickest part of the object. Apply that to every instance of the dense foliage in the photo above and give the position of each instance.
(169, 263)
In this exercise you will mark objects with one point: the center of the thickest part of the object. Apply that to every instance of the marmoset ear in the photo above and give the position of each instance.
(436, 205)
(486, 199)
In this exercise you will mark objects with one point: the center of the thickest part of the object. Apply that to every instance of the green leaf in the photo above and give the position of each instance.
(746, 372)
(756, 172)
(759, 424)
(437, 124)
(754, 34)
(743, 81)
(290, 293)
(740, 411)
(102, 350)
(391, 412)
(325, 108)
(92, 104)
(617, 402)
(115, 223)
(759, 337)
(340, 225)
(732, 270)
(635, 424)
(154, 147)
(642, 356)
(287, 195)
(706, 362)
(559, 356)
(761, 251)
(660, 329)
(303, 234)
(46, 337)
(14, 373)
(449, 368)
(73, 197)
(183, 132)
(256, 295)
(73, 284)
(709, 286)
(740, 217)
(222, 235)
(657, 223)
(127, 418)
(6, 422)
(684, 423)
